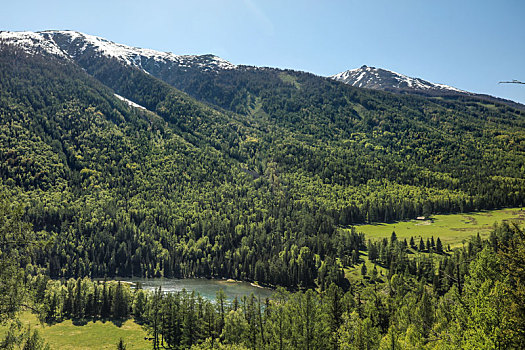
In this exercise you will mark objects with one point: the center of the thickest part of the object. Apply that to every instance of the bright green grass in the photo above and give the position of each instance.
(353, 273)
(452, 229)
(92, 335)
(287, 78)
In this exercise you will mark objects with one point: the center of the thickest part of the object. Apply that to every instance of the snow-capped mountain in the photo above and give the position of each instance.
(74, 45)
(382, 79)
(195, 74)
(32, 43)
(386, 80)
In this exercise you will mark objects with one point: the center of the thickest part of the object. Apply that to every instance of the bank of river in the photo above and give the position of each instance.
(207, 288)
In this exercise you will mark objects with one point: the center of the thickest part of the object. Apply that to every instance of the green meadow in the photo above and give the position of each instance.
(91, 335)
(452, 229)
(353, 273)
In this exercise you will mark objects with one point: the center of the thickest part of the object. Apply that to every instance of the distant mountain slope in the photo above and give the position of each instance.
(181, 70)
(31, 42)
(382, 79)
(77, 44)
(386, 80)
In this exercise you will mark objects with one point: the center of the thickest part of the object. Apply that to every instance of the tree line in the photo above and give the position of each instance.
(475, 304)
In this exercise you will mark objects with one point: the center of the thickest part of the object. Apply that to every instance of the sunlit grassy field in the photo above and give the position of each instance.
(452, 229)
(353, 273)
(91, 335)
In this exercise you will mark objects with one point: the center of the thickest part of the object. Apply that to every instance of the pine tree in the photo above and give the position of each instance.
(119, 305)
(189, 322)
(425, 314)
(121, 345)
(78, 302)
(439, 246)
(220, 303)
(372, 251)
(333, 302)
(105, 308)
(14, 234)
(363, 269)
(209, 321)
(374, 273)
(34, 341)
(139, 304)
(421, 245)
(393, 237)
(250, 316)
(278, 321)
(355, 257)
(96, 300)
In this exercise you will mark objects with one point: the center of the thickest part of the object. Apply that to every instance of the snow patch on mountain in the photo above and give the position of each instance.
(31, 42)
(129, 102)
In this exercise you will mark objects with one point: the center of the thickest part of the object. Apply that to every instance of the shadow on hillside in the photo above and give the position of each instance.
(84, 321)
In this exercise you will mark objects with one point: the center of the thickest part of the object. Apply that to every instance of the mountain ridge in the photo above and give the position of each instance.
(70, 44)
(73, 45)
(379, 78)
(387, 80)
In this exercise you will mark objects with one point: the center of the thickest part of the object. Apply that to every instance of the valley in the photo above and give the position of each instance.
(452, 229)
(119, 162)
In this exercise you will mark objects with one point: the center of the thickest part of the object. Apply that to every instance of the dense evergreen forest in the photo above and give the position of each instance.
(254, 174)
(472, 299)
(253, 187)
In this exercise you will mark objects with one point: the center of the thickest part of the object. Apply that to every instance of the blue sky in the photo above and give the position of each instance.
(467, 44)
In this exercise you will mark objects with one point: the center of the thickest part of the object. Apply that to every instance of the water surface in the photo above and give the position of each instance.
(207, 288)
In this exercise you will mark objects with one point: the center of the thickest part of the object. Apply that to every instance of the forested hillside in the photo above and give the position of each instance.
(189, 166)
(338, 135)
(252, 182)
(473, 302)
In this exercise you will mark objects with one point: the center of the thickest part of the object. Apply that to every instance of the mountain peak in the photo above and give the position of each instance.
(73, 44)
(383, 79)
(31, 42)
(76, 43)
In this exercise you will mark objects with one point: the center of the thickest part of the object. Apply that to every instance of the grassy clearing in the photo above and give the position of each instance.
(452, 229)
(353, 273)
(290, 79)
(92, 335)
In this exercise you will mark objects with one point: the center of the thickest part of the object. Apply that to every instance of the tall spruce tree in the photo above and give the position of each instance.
(439, 246)
(119, 305)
